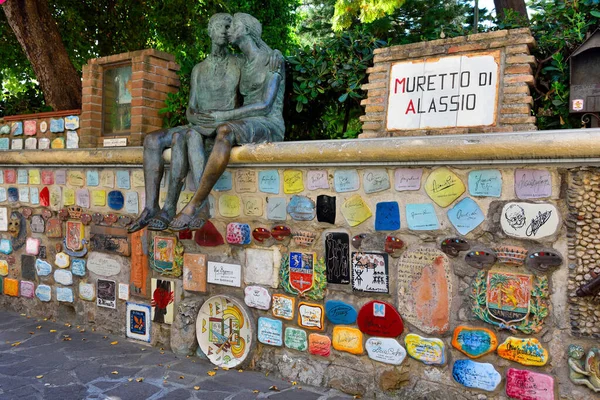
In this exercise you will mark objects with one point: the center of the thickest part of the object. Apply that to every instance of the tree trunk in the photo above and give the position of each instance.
(37, 32)
(516, 5)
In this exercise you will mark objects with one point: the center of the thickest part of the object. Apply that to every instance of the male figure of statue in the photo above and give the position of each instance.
(214, 87)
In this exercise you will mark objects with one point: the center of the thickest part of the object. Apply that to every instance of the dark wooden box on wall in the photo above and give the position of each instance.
(585, 76)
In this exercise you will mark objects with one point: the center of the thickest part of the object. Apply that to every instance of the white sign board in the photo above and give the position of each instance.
(446, 92)
(224, 274)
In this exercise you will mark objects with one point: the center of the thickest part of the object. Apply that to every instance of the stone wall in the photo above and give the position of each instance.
(489, 210)
(512, 59)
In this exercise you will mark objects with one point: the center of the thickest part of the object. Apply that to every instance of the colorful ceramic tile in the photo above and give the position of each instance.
(3, 219)
(224, 183)
(542, 260)
(16, 128)
(337, 257)
(533, 183)
(4, 143)
(62, 260)
(92, 178)
(443, 186)
(270, 331)
(115, 200)
(3, 195)
(245, 181)
(34, 176)
(301, 208)
(224, 274)
(42, 267)
(3, 268)
(387, 216)
(370, 272)
(27, 267)
(32, 246)
(421, 217)
(47, 177)
(385, 350)
(476, 375)
(348, 339)
(27, 289)
(301, 276)
(375, 180)
(54, 228)
(58, 143)
(528, 351)
(295, 339)
(34, 195)
(317, 179)
(104, 264)
(346, 181)
(139, 262)
(257, 297)
(107, 178)
(4, 129)
(107, 294)
(43, 143)
(292, 181)
(194, 272)
(326, 209)
(137, 178)
(229, 206)
(63, 277)
(30, 143)
(487, 182)
(22, 177)
(529, 220)
(378, 318)
(30, 127)
(123, 292)
(431, 351)
(10, 176)
(24, 194)
(139, 323)
(123, 180)
(43, 293)
(253, 206)
(283, 306)
(474, 342)
(72, 122)
(529, 385)
(78, 266)
(224, 331)
(5, 246)
(238, 233)
(268, 181)
(11, 287)
(466, 216)
(319, 345)
(64, 295)
(208, 236)
(82, 198)
(355, 210)
(420, 269)
(262, 267)
(453, 246)
(131, 203)
(511, 255)
(43, 126)
(98, 198)
(340, 313)
(280, 232)
(72, 140)
(57, 125)
(311, 316)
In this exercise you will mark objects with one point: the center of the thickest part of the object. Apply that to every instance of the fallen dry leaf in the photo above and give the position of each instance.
(294, 383)
(67, 339)
(181, 377)
(32, 333)
(240, 370)
(225, 368)
(15, 344)
(130, 380)
(274, 388)
(39, 376)
(196, 387)
(216, 368)
(115, 342)
(81, 330)
(23, 315)
(139, 380)
(115, 372)
(104, 337)
(162, 352)
(38, 327)
(256, 391)
(357, 396)
(211, 373)
(68, 325)
(52, 330)
(267, 374)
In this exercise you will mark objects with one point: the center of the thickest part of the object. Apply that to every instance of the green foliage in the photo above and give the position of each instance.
(346, 11)
(559, 27)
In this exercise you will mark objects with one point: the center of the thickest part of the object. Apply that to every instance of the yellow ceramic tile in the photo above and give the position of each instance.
(355, 210)
(58, 143)
(3, 268)
(292, 181)
(68, 197)
(229, 205)
(348, 339)
(98, 198)
(253, 206)
(528, 351)
(75, 178)
(11, 287)
(34, 177)
(443, 186)
(137, 178)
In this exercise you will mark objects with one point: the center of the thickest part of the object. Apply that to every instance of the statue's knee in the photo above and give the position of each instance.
(151, 141)
(224, 133)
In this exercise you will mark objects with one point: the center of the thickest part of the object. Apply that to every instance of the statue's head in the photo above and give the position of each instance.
(14, 224)
(576, 351)
(218, 28)
(246, 24)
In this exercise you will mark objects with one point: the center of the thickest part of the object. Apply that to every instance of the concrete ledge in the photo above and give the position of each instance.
(538, 145)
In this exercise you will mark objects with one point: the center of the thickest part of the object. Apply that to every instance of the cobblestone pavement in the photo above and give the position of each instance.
(45, 360)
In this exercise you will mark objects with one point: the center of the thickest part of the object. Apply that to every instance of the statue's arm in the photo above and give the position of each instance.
(576, 367)
(257, 109)
(192, 109)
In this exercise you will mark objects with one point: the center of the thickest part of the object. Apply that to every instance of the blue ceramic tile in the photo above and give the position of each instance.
(57, 125)
(421, 217)
(78, 266)
(4, 143)
(224, 183)
(375, 180)
(22, 177)
(301, 208)
(123, 181)
(43, 268)
(34, 195)
(13, 194)
(3, 195)
(60, 177)
(72, 122)
(17, 128)
(268, 181)
(270, 331)
(92, 178)
(346, 180)
(5, 246)
(338, 312)
(64, 294)
(116, 200)
(387, 216)
(276, 209)
(466, 216)
(487, 182)
(43, 292)
(476, 375)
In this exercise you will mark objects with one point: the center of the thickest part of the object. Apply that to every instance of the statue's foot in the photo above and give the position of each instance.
(142, 221)
(196, 224)
(181, 222)
(160, 222)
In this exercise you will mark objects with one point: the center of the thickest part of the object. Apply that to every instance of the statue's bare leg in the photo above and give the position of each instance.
(154, 145)
(216, 165)
(196, 155)
(179, 169)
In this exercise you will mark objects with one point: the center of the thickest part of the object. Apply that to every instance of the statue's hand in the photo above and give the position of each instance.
(275, 61)
(205, 117)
